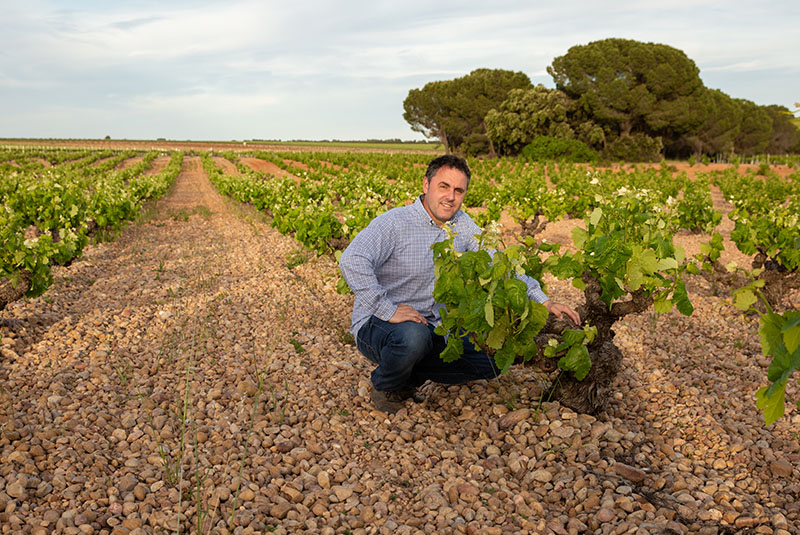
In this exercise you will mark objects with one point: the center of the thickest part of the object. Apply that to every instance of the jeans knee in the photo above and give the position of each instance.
(414, 339)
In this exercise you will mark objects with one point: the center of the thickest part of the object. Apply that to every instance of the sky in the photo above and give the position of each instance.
(290, 70)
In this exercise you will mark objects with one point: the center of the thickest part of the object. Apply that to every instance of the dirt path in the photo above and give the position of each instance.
(192, 321)
(227, 166)
(257, 164)
(158, 164)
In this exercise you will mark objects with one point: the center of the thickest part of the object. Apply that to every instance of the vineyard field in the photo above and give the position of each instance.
(174, 355)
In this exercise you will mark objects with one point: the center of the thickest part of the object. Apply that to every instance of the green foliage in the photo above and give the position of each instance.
(485, 300)
(545, 148)
(622, 95)
(780, 338)
(572, 351)
(721, 125)
(710, 252)
(527, 114)
(425, 112)
(695, 210)
(638, 147)
(755, 129)
(785, 136)
(775, 234)
(767, 216)
(628, 249)
(304, 209)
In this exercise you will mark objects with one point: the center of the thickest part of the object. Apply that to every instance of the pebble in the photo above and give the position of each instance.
(563, 431)
(342, 493)
(513, 418)
(17, 457)
(605, 515)
(781, 468)
(630, 473)
(15, 490)
(140, 492)
(280, 510)
(127, 484)
(542, 476)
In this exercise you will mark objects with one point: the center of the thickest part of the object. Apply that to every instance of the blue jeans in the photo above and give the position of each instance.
(407, 355)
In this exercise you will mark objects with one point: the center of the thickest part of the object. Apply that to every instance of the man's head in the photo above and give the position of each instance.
(444, 186)
(448, 160)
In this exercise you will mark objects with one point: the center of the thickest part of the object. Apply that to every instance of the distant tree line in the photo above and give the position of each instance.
(616, 98)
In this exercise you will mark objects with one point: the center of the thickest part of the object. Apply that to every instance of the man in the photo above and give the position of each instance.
(389, 268)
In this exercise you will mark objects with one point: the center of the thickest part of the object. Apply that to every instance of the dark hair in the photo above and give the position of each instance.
(448, 160)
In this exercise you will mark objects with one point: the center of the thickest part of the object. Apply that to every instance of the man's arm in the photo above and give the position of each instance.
(359, 262)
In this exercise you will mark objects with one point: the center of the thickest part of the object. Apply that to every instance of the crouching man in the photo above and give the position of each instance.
(389, 268)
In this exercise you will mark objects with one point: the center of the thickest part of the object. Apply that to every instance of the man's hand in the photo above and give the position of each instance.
(407, 313)
(558, 309)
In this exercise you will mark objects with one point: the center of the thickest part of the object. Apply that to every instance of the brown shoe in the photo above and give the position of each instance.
(388, 401)
(410, 393)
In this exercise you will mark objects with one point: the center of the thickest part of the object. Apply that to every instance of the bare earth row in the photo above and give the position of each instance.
(197, 371)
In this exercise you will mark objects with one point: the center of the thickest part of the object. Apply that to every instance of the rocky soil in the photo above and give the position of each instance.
(196, 376)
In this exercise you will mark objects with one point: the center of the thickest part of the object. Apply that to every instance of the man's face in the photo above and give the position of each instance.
(444, 194)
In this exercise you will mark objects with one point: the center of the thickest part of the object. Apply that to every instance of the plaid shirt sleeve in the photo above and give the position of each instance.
(359, 264)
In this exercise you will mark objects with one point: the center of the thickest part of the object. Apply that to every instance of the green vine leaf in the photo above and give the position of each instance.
(771, 403)
(577, 361)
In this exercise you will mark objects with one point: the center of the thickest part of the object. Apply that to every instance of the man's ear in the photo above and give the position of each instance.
(425, 184)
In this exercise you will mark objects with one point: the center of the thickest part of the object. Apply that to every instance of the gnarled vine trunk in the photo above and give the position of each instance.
(778, 279)
(591, 395)
(14, 288)
(534, 226)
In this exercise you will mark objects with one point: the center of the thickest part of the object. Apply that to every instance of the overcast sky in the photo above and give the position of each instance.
(337, 70)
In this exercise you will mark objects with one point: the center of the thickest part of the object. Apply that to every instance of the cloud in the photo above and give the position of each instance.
(740, 66)
(135, 23)
(84, 39)
(204, 102)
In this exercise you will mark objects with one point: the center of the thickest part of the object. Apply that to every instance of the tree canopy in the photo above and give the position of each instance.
(785, 134)
(722, 118)
(629, 87)
(453, 111)
(427, 112)
(526, 114)
(623, 98)
(755, 129)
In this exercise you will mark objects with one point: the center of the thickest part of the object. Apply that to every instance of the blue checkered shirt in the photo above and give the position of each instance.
(390, 263)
